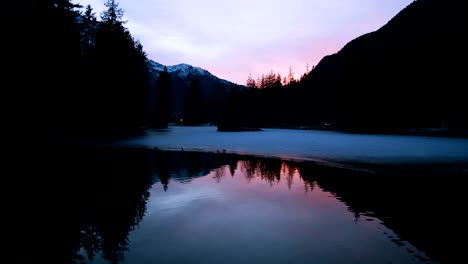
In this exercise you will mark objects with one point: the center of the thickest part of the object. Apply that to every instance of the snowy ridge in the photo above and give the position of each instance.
(181, 75)
(183, 70)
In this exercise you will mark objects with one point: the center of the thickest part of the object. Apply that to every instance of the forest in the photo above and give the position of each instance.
(407, 75)
(73, 74)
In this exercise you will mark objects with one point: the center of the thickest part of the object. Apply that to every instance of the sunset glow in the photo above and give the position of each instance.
(234, 38)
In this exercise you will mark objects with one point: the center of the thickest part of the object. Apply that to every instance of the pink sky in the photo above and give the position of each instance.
(232, 38)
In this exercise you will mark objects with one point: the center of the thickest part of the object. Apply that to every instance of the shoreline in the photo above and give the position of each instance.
(395, 166)
(420, 132)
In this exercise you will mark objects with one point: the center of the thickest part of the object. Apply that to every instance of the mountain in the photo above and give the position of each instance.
(182, 70)
(409, 73)
(213, 89)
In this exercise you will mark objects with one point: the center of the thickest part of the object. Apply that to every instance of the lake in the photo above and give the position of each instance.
(140, 205)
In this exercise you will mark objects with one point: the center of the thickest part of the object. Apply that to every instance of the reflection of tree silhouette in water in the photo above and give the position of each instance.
(163, 169)
(268, 170)
(111, 192)
(186, 165)
(111, 195)
(220, 172)
(420, 204)
(232, 166)
(407, 202)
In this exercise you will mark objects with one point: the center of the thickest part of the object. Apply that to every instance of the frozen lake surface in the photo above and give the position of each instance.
(311, 145)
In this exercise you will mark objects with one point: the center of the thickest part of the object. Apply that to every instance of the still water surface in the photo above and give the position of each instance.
(141, 206)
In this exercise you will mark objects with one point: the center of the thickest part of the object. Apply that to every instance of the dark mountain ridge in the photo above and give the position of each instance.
(409, 73)
(213, 89)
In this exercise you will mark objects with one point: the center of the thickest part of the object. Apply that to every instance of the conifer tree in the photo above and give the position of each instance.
(163, 101)
(193, 104)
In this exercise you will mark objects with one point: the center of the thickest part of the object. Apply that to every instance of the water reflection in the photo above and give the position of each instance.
(144, 206)
(107, 191)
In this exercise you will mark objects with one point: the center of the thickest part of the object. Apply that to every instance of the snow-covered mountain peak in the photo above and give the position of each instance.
(183, 70)
(186, 69)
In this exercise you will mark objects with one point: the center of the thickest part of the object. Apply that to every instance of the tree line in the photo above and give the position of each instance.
(270, 101)
(73, 74)
(404, 77)
(271, 79)
(70, 73)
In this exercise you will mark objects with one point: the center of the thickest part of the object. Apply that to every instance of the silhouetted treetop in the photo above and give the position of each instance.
(113, 15)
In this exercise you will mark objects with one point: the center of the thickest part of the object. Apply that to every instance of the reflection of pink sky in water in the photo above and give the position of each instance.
(268, 214)
(290, 184)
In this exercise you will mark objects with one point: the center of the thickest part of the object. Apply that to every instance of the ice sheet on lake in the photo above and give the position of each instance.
(309, 145)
